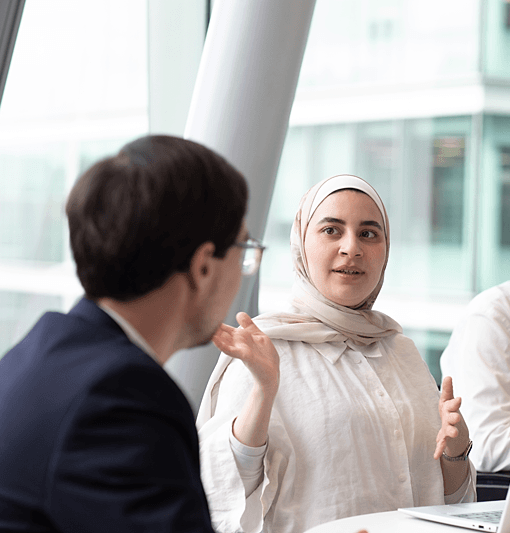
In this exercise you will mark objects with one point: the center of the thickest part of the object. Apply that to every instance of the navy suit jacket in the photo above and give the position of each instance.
(94, 434)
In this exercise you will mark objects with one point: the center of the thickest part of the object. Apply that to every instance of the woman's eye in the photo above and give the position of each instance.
(329, 231)
(368, 234)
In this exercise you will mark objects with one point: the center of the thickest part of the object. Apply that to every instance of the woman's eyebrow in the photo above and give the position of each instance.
(333, 220)
(371, 223)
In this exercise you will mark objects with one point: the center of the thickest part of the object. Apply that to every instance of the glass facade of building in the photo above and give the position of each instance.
(391, 41)
(445, 179)
(420, 169)
(78, 89)
(496, 42)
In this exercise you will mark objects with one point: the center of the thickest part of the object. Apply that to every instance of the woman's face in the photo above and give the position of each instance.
(345, 247)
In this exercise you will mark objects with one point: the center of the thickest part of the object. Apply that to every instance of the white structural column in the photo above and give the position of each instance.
(240, 108)
(245, 89)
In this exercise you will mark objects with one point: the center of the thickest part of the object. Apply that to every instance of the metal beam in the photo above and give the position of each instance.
(10, 18)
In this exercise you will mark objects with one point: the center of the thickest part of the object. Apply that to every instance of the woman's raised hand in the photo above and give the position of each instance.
(254, 348)
(453, 437)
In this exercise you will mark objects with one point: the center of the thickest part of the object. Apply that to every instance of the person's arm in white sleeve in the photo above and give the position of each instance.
(479, 352)
(250, 463)
(259, 355)
(236, 490)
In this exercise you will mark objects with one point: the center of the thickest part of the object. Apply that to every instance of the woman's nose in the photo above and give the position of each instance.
(350, 246)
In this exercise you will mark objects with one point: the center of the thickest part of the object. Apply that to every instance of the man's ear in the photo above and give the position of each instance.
(202, 266)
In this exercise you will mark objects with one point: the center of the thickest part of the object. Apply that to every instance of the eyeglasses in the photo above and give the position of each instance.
(251, 256)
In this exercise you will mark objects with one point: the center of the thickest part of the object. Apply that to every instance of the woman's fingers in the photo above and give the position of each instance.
(244, 320)
(253, 347)
(448, 431)
(439, 449)
(453, 427)
(446, 389)
(448, 404)
(225, 328)
(452, 418)
(249, 344)
(242, 343)
(453, 405)
(223, 341)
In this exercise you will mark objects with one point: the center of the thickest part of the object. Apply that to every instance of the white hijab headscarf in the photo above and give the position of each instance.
(315, 319)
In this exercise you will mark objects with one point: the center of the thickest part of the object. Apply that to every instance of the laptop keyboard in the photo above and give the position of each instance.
(492, 516)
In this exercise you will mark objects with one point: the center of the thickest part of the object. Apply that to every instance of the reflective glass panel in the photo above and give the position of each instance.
(493, 259)
(18, 311)
(377, 41)
(496, 40)
(420, 168)
(31, 198)
(76, 92)
(432, 236)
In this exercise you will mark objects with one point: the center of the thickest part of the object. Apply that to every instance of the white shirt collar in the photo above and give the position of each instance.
(130, 332)
(332, 351)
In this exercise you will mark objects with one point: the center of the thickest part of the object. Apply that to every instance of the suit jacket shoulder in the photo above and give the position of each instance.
(100, 437)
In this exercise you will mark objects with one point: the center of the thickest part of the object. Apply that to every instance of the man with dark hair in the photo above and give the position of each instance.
(95, 436)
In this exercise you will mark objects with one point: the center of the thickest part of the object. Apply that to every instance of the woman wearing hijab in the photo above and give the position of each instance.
(328, 411)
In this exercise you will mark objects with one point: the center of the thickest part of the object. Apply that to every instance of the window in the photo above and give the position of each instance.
(496, 40)
(505, 196)
(76, 91)
(368, 42)
(419, 168)
(448, 190)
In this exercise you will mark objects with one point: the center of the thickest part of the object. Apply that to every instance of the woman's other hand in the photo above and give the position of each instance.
(254, 348)
(453, 437)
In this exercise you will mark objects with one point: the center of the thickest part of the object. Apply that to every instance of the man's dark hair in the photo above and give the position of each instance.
(138, 217)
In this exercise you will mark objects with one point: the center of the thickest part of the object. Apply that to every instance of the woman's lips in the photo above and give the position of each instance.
(349, 271)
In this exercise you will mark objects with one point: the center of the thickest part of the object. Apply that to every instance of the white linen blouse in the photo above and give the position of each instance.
(352, 431)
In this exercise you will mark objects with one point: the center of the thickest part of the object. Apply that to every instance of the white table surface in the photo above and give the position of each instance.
(389, 522)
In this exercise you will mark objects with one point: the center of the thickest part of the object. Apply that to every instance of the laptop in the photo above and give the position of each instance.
(482, 516)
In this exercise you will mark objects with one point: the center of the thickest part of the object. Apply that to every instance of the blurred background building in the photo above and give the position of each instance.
(414, 97)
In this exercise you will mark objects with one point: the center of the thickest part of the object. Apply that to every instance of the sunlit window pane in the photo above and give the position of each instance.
(373, 41)
(497, 38)
(18, 311)
(493, 257)
(505, 195)
(76, 92)
(31, 214)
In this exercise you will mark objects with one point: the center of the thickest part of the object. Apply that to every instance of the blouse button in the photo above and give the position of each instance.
(402, 478)
(397, 433)
(380, 392)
